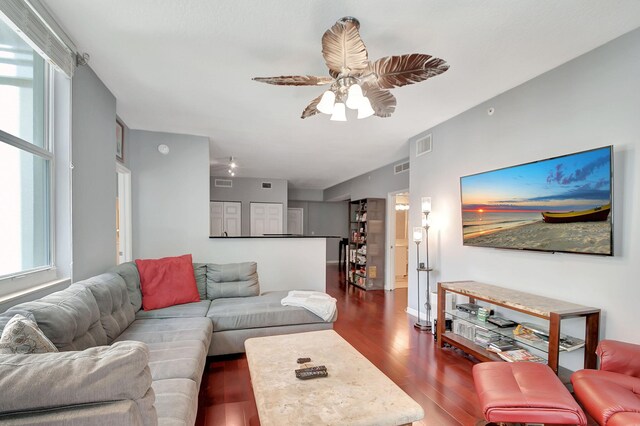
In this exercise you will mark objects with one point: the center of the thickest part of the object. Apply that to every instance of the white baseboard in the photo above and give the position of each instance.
(414, 313)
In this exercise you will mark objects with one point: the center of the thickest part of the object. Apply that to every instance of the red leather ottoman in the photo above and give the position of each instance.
(524, 392)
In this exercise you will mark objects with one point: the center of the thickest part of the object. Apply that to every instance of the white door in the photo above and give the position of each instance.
(123, 214)
(216, 218)
(294, 221)
(266, 218)
(233, 218)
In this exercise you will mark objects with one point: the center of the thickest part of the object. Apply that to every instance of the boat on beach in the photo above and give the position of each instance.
(596, 214)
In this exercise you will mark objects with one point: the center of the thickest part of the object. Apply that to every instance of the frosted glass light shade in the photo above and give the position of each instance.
(339, 112)
(354, 96)
(417, 234)
(365, 109)
(426, 204)
(325, 105)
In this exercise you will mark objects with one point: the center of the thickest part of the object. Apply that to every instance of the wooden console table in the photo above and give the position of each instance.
(552, 310)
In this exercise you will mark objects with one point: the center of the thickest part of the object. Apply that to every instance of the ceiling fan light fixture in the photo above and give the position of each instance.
(327, 102)
(355, 97)
(351, 73)
(365, 110)
(339, 112)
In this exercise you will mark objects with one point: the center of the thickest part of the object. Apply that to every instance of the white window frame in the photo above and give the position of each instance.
(18, 281)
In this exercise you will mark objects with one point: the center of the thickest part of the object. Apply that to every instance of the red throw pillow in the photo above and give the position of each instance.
(166, 282)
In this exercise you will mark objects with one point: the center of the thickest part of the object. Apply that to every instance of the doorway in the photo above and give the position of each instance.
(401, 258)
(397, 235)
(123, 214)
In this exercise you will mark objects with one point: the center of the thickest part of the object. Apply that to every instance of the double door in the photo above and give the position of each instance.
(266, 218)
(225, 217)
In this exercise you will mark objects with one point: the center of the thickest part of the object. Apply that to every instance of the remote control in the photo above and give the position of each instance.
(305, 375)
(312, 369)
(303, 360)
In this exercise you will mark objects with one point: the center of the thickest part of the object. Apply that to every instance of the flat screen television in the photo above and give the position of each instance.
(561, 204)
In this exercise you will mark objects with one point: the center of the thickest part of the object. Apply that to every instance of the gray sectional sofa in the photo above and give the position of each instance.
(119, 364)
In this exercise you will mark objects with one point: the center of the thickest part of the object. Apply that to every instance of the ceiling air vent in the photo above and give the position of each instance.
(223, 183)
(423, 145)
(402, 167)
(266, 185)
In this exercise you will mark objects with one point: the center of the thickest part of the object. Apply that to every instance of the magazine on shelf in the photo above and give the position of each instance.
(520, 355)
(534, 333)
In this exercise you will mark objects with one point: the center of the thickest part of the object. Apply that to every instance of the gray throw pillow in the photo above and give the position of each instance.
(22, 336)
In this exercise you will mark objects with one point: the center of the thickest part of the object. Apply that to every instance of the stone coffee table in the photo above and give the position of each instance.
(354, 393)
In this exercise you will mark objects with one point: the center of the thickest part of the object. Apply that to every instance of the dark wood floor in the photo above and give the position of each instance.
(375, 323)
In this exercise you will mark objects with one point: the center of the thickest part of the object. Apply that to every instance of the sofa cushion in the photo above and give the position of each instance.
(176, 401)
(186, 310)
(96, 375)
(22, 336)
(232, 280)
(129, 273)
(257, 312)
(169, 330)
(604, 394)
(166, 282)
(116, 311)
(69, 318)
(177, 360)
(200, 272)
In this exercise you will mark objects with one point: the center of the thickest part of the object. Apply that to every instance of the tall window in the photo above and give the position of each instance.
(26, 157)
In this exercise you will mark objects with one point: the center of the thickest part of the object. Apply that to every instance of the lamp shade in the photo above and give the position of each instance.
(417, 234)
(426, 204)
(354, 96)
(325, 105)
(365, 109)
(339, 112)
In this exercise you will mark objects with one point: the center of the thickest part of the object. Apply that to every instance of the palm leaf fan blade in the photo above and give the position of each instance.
(295, 80)
(343, 49)
(312, 108)
(382, 101)
(398, 71)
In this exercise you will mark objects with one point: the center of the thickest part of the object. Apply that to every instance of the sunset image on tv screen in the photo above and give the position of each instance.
(561, 204)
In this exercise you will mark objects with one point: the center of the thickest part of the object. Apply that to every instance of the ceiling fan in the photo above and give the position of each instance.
(356, 82)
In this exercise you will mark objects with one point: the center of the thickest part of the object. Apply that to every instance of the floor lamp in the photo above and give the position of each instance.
(417, 238)
(426, 209)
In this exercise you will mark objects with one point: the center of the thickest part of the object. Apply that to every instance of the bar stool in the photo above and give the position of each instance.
(342, 250)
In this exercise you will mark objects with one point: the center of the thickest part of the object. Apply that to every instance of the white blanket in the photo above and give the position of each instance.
(319, 303)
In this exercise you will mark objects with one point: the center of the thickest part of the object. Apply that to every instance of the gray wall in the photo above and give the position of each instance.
(170, 193)
(375, 184)
(588, 102)
(325, 218)
(306, 194)
(94, 171)
(248, 190)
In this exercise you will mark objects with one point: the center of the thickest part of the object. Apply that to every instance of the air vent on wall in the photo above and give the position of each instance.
(402, 167)
(223, 183)
(423, 145)
(266, 185)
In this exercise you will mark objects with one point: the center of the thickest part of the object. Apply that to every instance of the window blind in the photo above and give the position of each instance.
(32, 27)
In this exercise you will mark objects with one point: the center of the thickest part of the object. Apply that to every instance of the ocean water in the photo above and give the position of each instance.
(474, 222)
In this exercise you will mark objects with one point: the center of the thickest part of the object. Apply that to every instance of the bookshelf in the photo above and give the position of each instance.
(552, 311)
(365, 265)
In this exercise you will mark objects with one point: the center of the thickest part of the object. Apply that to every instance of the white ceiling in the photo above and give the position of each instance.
(185, 66)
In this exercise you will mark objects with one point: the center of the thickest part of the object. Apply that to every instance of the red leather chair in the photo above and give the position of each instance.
(611, 395)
